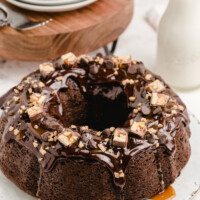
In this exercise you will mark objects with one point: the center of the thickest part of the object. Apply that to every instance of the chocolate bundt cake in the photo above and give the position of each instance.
(93, 128)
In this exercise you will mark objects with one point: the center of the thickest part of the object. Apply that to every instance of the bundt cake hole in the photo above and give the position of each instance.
(107, 106)
(104, 106)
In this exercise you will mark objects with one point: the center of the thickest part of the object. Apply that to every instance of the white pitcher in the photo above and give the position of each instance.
(178, 52)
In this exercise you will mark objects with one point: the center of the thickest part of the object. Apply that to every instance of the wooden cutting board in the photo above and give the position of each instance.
(79, 31)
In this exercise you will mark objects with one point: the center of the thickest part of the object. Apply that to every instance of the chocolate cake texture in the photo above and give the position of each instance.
(93, 128)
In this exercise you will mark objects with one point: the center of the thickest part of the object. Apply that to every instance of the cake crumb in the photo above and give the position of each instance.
(144, 120)
(23, 107)
(36, 126)
(81, 145)
(134, 62)
(30, 90)
(47, 148)
(112, 129)
(11, 128)
(16, 132)
(148, 77)
(35, 86)
(180, 107)
(16, 99)
(84, 128)
(119, 174)
(157, 145)
(131, 122)
(103, 149)
(155, 137)
(172, 100)
(42, 151)
(53, 92)
(99, 133)
(16, 91)
(152, 130)
(20, 111)
(174, 112)
(20, 87)
(132, 98)
(60, 78)
(135, 111)
(73, 126)
(35, 144)
(9, 102)
(106, 139)
(116, 73)
(110, 150)
(139, 104)
(41, 84)
(128, 81)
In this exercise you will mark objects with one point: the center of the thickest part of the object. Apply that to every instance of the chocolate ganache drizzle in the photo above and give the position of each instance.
(121, 95)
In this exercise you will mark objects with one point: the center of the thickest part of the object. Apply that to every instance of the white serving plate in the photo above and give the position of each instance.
(59, 8)
(51, 2)
(187, 186)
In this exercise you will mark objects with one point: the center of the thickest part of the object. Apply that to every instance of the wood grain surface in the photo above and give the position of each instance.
(79, 31)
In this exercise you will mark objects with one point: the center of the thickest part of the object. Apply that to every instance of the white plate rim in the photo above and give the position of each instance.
(50, 2)
(59, 8)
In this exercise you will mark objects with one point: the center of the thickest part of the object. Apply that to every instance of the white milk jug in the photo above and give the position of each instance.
(178, 52)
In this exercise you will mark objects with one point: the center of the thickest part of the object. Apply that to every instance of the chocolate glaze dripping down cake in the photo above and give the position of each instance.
(107, 109)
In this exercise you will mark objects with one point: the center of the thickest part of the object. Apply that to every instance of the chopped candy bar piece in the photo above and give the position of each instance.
(159, 99)
(68, 137)
(139, 128)
(156, 86)
(69, 59)
(35, 113)
(120, 138)
(46, 69)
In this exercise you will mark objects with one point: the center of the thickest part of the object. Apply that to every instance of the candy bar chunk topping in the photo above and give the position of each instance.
(124, 61)
(159, 99)
(156, 86)
(180, 107)
(69, 59)
(68, 137)
(102, 147)
(46, 69)
(35, 113)
(139, 129)
(148, 77)
(119, 174)
(38, 99)
(120, 138)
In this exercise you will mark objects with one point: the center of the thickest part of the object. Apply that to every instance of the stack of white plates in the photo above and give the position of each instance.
(51, 5)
